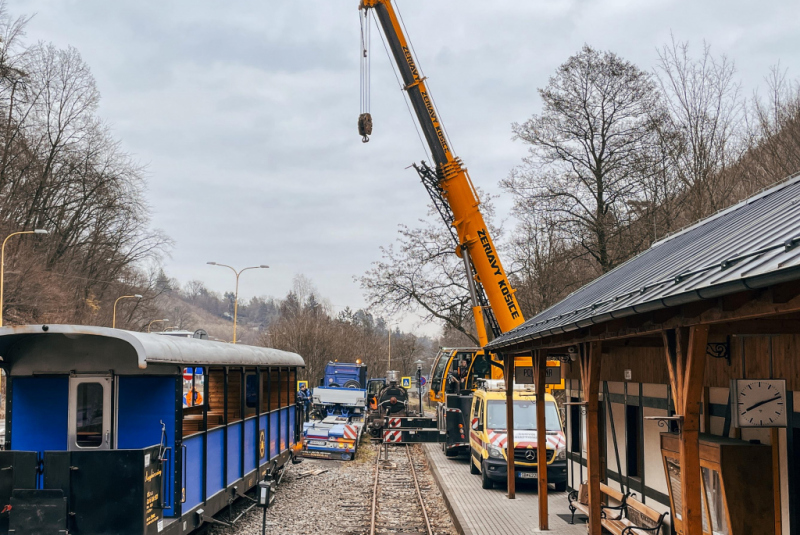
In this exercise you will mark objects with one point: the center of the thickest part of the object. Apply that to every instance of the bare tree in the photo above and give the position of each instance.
(588, 148)
(705, 120)
(422, 275)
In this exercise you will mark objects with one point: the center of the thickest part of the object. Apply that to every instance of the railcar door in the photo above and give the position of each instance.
(89, 413)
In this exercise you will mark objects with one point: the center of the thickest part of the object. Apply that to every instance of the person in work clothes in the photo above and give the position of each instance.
(304, 400)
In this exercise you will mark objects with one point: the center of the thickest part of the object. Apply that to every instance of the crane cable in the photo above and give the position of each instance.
(422, 74)
(405, 97)
(364, 118)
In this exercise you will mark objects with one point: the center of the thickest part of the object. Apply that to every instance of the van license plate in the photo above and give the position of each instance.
(527, 475)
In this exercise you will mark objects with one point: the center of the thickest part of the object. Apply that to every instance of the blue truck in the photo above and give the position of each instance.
(344, 375)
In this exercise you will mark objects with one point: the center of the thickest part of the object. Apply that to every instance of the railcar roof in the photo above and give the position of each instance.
(153, 348)
(753, 244)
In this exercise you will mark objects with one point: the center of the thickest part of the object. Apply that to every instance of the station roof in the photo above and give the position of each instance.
(153, 348)
(753, 244)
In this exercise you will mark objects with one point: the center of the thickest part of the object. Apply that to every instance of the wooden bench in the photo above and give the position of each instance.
(639, 519)
(618, 510)
(630, 517)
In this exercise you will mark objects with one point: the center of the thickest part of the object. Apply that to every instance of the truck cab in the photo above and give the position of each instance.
(488, 436)
(456, 370)
(345, 375)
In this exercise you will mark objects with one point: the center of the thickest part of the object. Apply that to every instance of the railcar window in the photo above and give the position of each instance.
(250, 393)
(89, 415)
(275, 389)
(292, 386)
(216, 398)
(265, 392)
(287, 387)
(234, 395)
(193, 387)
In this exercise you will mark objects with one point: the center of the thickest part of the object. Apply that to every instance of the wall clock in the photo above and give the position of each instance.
(759, 402)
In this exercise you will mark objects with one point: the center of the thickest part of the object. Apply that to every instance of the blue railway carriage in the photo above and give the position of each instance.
(101, 438)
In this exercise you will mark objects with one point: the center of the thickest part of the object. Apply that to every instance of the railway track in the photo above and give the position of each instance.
(398, 505)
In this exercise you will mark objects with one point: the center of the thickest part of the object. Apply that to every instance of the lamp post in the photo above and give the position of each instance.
(114, 320)
(236, 294)
(3, 262)
(155, 321)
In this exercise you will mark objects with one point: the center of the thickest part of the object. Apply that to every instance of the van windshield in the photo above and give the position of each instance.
(524, 415)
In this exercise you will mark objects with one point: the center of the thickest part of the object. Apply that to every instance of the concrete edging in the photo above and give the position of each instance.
(457, 520)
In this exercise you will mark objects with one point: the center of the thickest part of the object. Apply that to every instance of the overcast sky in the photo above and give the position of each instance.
(245, 111)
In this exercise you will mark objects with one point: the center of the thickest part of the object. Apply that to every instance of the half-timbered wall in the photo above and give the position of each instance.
(762, 356)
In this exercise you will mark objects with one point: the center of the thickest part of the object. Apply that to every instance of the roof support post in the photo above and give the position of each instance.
(539, 367)
(686, 362)
(590, 378)
(510, 469)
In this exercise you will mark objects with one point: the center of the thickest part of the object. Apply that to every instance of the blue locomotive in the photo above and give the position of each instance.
(102, 438)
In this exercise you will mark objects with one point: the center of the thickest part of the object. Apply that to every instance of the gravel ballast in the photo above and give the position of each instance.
(336, 501)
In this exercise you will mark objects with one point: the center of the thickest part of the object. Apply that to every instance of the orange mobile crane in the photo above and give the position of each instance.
(494, 305)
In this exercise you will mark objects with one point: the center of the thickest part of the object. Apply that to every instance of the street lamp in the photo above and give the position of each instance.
(236, 294)
(3, 262)
(114, 320)
(155, 321)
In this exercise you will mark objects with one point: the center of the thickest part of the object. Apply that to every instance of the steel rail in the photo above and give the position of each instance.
(420, 499)
(419, 492)
(375, 493)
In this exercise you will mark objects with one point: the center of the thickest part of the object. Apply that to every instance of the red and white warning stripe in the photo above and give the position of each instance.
(392, 436)
(350, 432)
(556, 440)
(498, 439)
(474, 422)
(394, 422)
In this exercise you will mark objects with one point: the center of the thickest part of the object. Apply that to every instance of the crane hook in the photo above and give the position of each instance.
(365, 127)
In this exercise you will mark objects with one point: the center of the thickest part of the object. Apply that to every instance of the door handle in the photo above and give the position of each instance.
(108, 438)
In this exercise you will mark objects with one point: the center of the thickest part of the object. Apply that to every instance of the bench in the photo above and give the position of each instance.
(639, 519)
(630, 517)
(618, 510)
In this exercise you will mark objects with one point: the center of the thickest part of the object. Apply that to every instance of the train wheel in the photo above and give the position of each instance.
(334, 385)
(561, 486)
(486, 483)
(450, 453)
(352, 384)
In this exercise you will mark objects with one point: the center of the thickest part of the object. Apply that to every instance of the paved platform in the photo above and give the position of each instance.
(477, 511)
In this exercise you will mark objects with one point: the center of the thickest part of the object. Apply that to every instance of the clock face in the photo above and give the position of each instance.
(760, 402)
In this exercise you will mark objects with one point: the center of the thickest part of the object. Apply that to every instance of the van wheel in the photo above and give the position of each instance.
(561, 486)
(486, 483)
(472, 468)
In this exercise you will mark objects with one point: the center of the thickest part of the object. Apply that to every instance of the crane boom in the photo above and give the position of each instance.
(475, 242)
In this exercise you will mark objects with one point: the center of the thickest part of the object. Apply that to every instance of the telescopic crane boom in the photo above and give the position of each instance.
(454, 187)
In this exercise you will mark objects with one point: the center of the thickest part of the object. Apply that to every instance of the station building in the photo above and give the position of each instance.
(682, 370)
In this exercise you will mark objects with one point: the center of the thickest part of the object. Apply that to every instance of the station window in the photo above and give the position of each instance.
(633, 442)
(234, 395)
(250, 393)
(193, 387)
(575, 427)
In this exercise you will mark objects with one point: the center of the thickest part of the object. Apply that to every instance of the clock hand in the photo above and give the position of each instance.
(748, 409)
